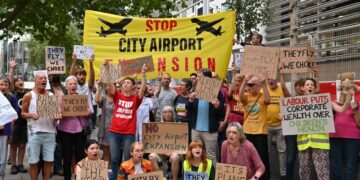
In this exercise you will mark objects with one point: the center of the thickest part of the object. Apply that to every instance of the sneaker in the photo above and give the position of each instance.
(14, 170)
(22, 169)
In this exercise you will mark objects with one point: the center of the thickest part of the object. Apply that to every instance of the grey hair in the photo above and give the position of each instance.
(239, 129)
(70, 78)
(167, 108)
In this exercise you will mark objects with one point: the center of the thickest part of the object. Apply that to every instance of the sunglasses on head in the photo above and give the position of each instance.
(250, 85)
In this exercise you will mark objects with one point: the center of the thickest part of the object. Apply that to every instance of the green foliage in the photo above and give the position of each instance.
(249, 14)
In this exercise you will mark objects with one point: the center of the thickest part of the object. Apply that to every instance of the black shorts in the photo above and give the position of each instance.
(19, 133)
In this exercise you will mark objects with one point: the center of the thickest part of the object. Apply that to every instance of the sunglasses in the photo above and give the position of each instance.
(250, 85)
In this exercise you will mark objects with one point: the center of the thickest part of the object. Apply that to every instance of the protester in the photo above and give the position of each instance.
(122, 128)
(5, 130)
(239, 151)
(255, 107)
(70, 131)
(273, 121)
(19, 129)
(135, 165)
(204, 119)
(107, 111)
(167, 115)
(315, 145)
(164, 93)
(345, 143)
(194, 79)
(196, 160)
(180, 102)
(41, 130)
(91, 148)
(256, 39)
(143, 112)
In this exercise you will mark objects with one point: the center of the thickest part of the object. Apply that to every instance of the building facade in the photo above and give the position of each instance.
(331, 26)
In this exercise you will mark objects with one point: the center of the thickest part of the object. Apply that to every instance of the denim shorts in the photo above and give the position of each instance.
(41, 142)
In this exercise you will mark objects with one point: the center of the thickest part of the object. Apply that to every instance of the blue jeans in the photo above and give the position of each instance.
(344, 151)
(292, 152)
(118, 142)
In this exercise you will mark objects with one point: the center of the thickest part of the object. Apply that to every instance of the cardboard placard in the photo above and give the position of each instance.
(55, 60)
(165, 137)
(96, 170)
(307, 114)
(297, 59)
(259, 59)
(83, 52)
(47, 106)
(230, 171)
(114, 73)
(207, 88)
(195, 176)
(75, 105)
(156, 175)
(134, 66)
(7, 112)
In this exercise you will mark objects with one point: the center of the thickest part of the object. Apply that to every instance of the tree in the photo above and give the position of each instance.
(249, 14)
(45, 19)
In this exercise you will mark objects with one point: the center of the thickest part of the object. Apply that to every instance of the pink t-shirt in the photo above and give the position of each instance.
(246, 156)
(345, 125)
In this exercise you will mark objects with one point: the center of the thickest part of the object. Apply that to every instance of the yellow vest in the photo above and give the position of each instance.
(187, 167)
(318, 141)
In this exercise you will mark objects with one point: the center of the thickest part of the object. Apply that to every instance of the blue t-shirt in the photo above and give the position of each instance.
(202, 123)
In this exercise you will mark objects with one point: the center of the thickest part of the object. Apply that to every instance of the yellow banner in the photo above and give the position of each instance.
(179, 46)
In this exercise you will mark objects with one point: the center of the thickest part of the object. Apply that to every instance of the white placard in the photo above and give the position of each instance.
(83, 52)
(7, 112)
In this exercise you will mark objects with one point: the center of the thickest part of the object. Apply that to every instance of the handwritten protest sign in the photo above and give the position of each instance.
(134, 66)
(307, 114)
(114, 73)
(229, 171)
(156, 175)
(75, 105)
(195, 176)
(297, 59)
(96, 170)
(259, 59)
(237, 57)
(55, 60)
(165, 137)
(83, 52)
(207, 88)
(47, 106)
(7, 112)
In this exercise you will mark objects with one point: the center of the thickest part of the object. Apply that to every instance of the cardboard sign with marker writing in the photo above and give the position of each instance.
(229, 171)
(55, 60)
(156, 175)
(259, 59)
(96, 170)
(307, 114)
(165, 137)
(7, 112)
(75, 105)
(83, 52)
(195, 176)
(134, 66)
(47, 106)
(297, 59)
(207, 88)
(114, 70)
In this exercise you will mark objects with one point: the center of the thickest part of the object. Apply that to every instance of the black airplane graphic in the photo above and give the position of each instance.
(114, 27)
(207, 26)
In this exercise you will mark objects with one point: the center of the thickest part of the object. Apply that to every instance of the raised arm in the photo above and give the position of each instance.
(157, 92)
(265, 88)
(110, 86)
(92, 72)
(98, 92)
(73, 65)
(336, 107)
(283, 86)
(233, 83)
(243, 86)
(143, 82)
(12, 65)
(315, 71)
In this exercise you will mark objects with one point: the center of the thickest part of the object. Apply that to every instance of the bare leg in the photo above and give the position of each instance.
(13, 151)
(47, 170)
(174, 158)
(154, 162)
(106, 153)
(21, 154)
(34, 171)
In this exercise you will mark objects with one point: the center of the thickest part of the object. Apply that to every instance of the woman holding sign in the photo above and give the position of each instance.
(239, 151)
(70, 131)
(196, 160)
(315, 145)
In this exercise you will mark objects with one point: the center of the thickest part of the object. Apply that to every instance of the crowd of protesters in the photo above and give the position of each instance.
(238, 127)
